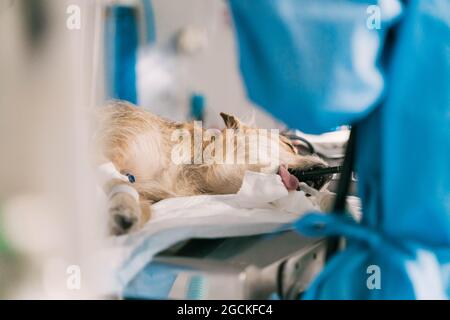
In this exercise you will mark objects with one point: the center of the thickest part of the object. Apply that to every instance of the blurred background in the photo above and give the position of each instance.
(58, 61)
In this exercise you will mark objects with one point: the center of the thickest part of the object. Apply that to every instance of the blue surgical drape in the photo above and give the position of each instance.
(318, 64)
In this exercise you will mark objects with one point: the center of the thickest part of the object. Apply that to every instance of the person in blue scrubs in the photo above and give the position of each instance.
(383, 66)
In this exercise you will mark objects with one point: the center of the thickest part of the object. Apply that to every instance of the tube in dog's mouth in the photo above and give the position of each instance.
(315, 177)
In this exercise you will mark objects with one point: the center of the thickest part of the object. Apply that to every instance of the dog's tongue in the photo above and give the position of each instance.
(289, 180)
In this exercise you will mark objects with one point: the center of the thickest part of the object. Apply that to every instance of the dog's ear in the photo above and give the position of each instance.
(231, 122)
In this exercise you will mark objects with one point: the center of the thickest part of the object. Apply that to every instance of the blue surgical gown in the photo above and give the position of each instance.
(318, 64)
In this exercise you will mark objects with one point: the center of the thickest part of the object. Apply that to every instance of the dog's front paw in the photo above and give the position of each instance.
(124, 213)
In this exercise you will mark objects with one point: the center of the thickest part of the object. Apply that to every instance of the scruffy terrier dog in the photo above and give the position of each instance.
(170, 159)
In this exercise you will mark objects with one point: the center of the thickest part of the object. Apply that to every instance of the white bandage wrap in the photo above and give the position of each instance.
(108, 171)
(124, 188)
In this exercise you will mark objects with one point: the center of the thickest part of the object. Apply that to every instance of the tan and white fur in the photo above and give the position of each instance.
(140, 143)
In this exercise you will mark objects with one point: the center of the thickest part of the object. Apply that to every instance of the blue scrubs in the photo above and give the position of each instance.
(318, 64)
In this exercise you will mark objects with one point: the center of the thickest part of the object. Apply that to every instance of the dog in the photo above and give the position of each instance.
(155, 152)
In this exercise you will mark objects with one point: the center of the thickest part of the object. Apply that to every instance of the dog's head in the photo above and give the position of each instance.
(275, 149)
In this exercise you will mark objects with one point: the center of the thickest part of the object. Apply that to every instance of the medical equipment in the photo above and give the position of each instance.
(315, 177)
(128, 26)
(329, 146)
(339, 205)
(197, 107)
(51, 224)
(253, 267)
(303, 175)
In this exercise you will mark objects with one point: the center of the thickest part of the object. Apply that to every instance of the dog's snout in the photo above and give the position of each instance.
(124, 222)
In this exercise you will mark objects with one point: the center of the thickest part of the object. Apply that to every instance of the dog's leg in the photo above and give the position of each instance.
(146, 212)
(126, 211)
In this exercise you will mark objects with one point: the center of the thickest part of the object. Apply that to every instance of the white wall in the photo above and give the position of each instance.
(213, 71)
